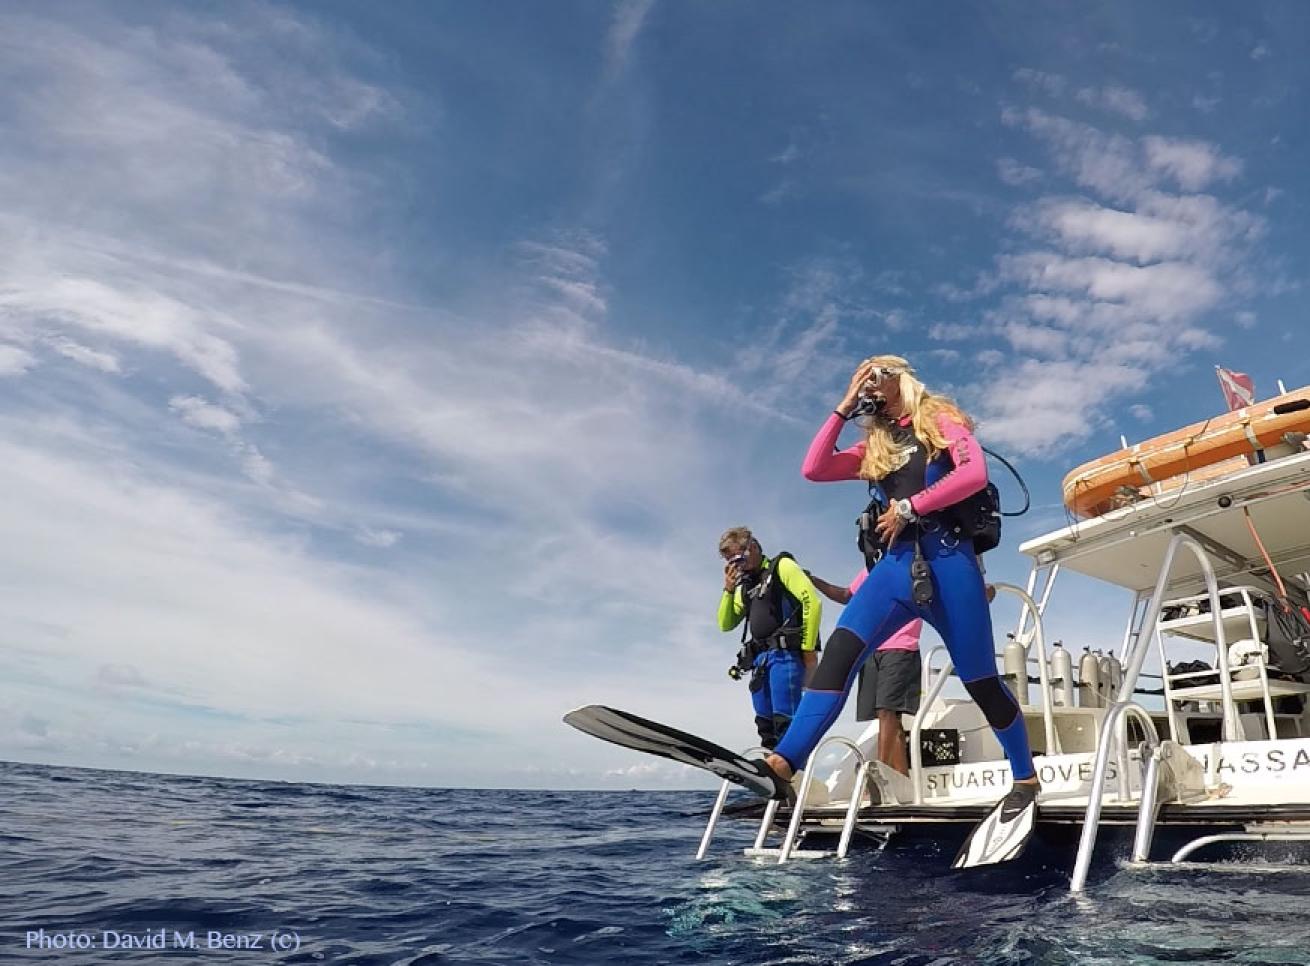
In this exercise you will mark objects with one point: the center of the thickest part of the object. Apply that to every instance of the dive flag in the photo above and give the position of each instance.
(1238, 388)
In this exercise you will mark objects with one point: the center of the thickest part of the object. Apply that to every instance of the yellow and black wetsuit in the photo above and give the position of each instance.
(782, 610)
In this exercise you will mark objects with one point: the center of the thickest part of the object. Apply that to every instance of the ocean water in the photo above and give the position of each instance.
(336, 874)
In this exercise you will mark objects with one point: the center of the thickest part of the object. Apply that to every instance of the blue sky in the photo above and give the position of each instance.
(375, 382)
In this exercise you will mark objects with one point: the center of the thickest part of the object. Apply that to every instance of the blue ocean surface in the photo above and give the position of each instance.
(205, 867)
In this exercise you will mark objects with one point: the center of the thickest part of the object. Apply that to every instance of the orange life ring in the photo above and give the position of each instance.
(1091, 489)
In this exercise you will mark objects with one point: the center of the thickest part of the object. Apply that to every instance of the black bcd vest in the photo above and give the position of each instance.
(772, 612)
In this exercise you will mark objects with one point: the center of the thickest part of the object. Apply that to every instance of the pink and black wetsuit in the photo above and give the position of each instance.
(883, 604)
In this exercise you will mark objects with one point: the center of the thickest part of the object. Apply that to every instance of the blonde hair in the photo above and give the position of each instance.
(737, 539)
(881, 455)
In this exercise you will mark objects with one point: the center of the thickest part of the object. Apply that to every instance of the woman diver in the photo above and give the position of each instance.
(919, 448)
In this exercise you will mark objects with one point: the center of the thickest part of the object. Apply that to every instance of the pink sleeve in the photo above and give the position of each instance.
(855, 584)
(968, 477)
(823, 464)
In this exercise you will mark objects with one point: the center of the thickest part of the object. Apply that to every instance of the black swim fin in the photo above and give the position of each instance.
(1004, 833)
(641, 734)
(782, 789)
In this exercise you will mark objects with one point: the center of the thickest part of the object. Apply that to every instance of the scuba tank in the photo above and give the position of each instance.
(1089, 680)
(1103, 662)
(1016, 669)
(1061, 676)
(1113, 680)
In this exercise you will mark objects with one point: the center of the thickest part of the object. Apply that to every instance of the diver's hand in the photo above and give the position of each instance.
(889, 525)
(731, 577)
(858, 385)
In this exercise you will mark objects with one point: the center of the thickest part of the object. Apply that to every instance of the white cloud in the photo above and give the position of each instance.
(1192, 164)
(1107, 163)
(951, 331)
(1051, 84)
(1046, 401)
(1117, 100)
(377, 538)
(201, 414)
(113, 310)
(342, 415)
(93, 358)
(1120, 284)
(1141, 411)
(15, 361)
(1013, 173)
(629, 16)
(1084, 226)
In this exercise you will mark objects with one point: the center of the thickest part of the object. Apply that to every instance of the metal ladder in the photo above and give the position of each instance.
(1112, 735)
(788, 849)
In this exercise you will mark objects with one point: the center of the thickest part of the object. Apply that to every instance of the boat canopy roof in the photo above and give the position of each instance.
(1126, 547)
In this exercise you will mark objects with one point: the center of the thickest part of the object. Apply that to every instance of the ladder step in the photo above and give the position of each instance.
(795, 853)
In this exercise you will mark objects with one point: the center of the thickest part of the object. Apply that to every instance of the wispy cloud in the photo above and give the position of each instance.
(1117, 100)
(1016, 174)
(1121, 283)
(222, 502)
(629, 16)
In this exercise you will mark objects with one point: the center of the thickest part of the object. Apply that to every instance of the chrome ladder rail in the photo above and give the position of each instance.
(717, 812)
(1197, 843)
(852, 810)
(1108, 737)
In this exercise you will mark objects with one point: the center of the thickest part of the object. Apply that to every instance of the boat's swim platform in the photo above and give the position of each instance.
(1001, 836)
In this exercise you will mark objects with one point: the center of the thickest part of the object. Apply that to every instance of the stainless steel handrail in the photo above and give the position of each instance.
(852, 810)
(1107, 736)
(1039, 638)
(717, 811)
(1182, 854)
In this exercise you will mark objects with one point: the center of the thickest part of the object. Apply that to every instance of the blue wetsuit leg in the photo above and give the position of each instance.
(960, 614)
(762, 700)
(879, 608)
(786, 680)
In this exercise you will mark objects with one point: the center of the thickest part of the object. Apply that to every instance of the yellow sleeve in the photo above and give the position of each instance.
(730, 610)
(800, 587)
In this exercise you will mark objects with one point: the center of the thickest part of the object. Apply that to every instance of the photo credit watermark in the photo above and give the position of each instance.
(277, 941)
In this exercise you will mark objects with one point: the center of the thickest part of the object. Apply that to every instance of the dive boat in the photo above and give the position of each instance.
(1217, 568)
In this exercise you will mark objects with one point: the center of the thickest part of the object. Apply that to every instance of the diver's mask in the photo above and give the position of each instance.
(872, 404)
(869, 409)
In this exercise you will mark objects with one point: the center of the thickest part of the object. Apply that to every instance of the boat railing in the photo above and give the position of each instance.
(1109, 737)
(788, 848)
(802, 796)
(716, 812)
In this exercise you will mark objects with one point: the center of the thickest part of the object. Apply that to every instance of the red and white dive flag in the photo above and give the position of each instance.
(1238, 388)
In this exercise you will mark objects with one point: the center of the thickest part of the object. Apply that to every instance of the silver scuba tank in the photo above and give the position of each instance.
(1089, 680)
(1061, 676)
(1114, 679)
(1016, 670)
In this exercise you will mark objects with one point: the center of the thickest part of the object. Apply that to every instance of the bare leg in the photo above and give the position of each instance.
(891, 741)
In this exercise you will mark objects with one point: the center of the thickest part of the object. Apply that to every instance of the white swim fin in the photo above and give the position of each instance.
(1004, 833)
